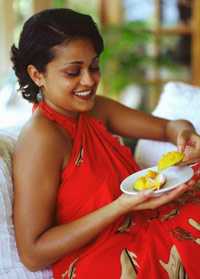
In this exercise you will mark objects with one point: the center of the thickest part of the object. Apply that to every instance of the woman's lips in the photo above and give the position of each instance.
(85, 95)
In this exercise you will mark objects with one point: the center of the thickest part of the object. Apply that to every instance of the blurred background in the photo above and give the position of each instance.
(147, 43)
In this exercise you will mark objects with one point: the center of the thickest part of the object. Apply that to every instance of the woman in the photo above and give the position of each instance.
(69, 211)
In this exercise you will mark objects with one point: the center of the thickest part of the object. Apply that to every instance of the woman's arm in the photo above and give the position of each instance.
(131, 123)
(137, 124)
(38, 162)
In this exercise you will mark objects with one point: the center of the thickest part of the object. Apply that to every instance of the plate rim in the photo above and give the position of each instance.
(162, 190)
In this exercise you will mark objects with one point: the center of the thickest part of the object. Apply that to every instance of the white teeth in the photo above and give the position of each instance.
(83, 93)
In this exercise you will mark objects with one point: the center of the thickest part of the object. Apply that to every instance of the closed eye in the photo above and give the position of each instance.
(73, 74)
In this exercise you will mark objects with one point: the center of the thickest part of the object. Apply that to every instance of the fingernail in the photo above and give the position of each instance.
(184, 186)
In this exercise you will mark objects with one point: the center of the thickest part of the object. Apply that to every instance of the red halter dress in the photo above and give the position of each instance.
(153, 244)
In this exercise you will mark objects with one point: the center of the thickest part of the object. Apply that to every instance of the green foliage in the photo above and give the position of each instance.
(59, 3)
(85, 6)
(125, 57)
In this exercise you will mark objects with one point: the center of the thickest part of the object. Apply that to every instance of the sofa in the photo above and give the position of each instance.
(10, 265)
(177, 101)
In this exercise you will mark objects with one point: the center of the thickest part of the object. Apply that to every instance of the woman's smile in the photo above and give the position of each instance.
(71, 79)
(85, 94)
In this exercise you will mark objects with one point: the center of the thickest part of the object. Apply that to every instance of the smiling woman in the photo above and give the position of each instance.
(69, 211)
(76, 71)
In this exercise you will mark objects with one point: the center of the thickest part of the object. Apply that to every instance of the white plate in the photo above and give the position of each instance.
(175, 176)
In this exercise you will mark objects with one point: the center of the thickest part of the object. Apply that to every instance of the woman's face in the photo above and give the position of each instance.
(70, 81)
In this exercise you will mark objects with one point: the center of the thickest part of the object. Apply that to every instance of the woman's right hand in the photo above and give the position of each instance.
(145, 200)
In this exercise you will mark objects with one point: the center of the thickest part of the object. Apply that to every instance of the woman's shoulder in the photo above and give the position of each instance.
(45, 135)
(103, 107)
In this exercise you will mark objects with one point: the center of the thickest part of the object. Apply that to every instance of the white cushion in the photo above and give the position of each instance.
(10, 265)
(178, 101)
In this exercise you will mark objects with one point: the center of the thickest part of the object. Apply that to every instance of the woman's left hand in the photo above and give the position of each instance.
(188, 142)
(157, 201)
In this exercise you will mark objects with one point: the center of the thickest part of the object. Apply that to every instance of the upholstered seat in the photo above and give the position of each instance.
(178, 101)
(10, 265)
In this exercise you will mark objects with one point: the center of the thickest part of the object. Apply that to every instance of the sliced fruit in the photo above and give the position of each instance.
(152, 180)
(170, 159)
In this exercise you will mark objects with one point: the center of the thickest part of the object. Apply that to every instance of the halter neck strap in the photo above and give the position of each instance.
(67, 122)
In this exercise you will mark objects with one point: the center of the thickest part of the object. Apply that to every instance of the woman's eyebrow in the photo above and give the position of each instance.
(80, 62)
(73, 62)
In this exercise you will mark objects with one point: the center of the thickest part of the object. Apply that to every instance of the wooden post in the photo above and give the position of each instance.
(154, 91)
(195, 52)
(111, 12)
(39, 5)
(7, 25)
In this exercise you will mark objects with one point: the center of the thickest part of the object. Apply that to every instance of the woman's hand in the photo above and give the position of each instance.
(156, 202)
(127, 203)
(145, 200)
(183, 134)
(188, 142)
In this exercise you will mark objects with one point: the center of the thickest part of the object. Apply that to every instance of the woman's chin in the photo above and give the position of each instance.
(86, 107)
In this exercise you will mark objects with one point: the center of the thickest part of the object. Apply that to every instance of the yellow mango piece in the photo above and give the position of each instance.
(151, 180)
(140, 183)
(151, 174)
(170, 159)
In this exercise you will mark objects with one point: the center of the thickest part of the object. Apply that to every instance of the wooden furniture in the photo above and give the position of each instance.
(188, 29)
(192, 28)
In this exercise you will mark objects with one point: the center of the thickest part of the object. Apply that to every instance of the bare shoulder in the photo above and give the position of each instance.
(41, 152)
(104, 107)
(43, 137)
(105, 102)
(40, 155)
(112, 111)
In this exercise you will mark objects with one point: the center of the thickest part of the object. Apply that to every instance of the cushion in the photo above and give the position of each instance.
(14, 110)
(178, 101)
(10, 265)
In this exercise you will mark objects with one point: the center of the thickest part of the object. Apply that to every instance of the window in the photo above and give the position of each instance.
(173, 46)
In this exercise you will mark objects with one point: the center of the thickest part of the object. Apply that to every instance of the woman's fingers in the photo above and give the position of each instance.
(188, 162)
(192, 148)
(128, 202)
(183, 138)
(191, 182)
(189, 143)
(146, 199)
(156, 202)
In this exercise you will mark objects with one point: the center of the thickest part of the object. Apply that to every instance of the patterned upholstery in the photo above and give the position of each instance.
(10, 265)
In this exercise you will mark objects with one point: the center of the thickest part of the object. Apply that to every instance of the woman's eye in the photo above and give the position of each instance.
(73, 74)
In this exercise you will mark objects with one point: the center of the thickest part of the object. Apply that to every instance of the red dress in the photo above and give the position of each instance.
(153, 244)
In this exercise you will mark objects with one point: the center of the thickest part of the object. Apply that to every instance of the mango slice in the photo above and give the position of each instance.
(151, 180)
(170, 159)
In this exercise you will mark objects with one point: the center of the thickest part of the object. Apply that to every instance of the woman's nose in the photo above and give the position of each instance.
(87, 79)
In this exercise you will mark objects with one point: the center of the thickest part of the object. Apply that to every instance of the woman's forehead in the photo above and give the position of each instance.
(75, 50)
(75, 46)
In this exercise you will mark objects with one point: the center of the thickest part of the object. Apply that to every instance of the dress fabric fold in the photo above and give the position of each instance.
(154, 244)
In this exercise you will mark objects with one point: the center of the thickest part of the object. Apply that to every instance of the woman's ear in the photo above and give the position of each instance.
(35, 75)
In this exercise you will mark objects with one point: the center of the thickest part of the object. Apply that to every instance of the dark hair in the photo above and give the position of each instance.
(43, 31)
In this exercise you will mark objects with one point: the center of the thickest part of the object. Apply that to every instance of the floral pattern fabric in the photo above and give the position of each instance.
(154, 244)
